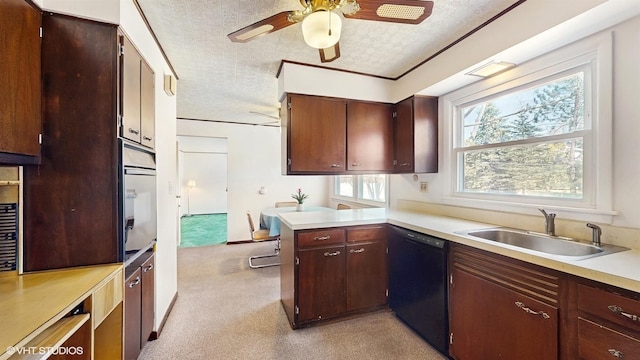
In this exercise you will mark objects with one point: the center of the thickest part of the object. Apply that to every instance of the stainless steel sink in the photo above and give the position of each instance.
(553, 245)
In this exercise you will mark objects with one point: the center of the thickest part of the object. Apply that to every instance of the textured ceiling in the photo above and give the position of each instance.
(224, 81)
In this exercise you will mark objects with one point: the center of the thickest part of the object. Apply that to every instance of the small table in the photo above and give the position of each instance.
(269, 217)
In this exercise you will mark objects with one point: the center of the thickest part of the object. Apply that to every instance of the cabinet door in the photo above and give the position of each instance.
(366, 275)
(317, 134)
(130, 83)
(20, 93)
(403, 137)
(147, 106)
(489, 321)
(71, 199)
(132, 301)
(369, 136)
(416, 135)
(321, 283)
(425, 134)
(147, 311)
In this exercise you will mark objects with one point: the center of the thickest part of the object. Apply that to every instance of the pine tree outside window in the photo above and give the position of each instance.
(528, 142)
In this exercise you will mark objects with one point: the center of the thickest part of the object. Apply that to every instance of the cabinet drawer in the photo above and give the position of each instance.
(367, 234)
(320, 237)
(612, 307)
(598, 342)
(106, 298)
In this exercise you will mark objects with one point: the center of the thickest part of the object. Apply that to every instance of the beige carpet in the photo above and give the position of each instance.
(225, 310)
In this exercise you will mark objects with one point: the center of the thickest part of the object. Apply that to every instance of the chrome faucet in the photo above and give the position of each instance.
(549, 222)
(595, 235)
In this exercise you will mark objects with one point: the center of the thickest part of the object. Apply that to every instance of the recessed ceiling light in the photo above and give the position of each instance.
(491, 68)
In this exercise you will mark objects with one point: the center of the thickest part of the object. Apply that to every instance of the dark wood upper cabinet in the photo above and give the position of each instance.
(130, 112)
(20, 93)
(138, 94)
(147, 106)
(416, 135)
(369, 136)
(323, 136)
(314, 135)
(71, 200)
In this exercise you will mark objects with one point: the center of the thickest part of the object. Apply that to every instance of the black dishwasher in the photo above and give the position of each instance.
(418, 284)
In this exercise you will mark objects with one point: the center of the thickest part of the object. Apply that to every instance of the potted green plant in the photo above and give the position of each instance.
(299, 196)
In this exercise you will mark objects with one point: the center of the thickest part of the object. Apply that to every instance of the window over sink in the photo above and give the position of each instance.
(536, 135)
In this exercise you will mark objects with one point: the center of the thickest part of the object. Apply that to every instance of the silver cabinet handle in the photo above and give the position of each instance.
(148, 268)
(135, 282)
(355, 164)
(405, 164)
(616, 353)
(336, 165)
(618, 310)
(322, 238)
(529, 311)
(335, 253)
(352, 251)
(146, 138)
(134, 131)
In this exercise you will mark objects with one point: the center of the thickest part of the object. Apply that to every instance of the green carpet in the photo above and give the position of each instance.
(201, 230)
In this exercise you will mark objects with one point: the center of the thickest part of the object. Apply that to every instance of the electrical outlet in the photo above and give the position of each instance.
(424, 186)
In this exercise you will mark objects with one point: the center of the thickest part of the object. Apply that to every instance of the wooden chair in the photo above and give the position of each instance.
(262, 235)
(286, 204)
(343, 207)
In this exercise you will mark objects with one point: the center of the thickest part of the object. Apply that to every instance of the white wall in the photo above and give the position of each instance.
(124, 12)
(254, 162)
(203, 160)
(626, 124)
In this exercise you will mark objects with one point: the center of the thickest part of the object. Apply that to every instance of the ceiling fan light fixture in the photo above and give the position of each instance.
(320, 30)
(394, 11)
(254, 32)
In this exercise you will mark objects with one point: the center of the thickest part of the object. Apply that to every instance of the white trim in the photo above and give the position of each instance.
(594, 53)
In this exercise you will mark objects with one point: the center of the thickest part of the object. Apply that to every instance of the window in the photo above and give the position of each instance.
(537, 135)
(527, 142)
(362, 188)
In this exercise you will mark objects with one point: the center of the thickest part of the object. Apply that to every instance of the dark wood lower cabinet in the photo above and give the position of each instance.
(501, 308)
(492, 322)
(132, 316)
(366, 274)
(139, 305)
(147, 303)
(321, 283)
(333, 272)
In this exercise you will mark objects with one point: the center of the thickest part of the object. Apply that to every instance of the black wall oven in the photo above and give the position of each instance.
(139, 210)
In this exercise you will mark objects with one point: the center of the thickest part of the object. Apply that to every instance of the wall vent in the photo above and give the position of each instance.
(8, 237)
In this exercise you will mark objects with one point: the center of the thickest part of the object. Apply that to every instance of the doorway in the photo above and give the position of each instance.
(203, 182)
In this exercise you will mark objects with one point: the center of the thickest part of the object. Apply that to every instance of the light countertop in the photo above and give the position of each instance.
(620, 269)
(30, 303)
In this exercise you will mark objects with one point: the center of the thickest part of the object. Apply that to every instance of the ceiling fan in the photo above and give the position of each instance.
(321, 25)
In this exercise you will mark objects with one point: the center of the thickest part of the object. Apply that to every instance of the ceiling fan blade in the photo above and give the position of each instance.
(331, 53)
(399, 11)
(262, 27)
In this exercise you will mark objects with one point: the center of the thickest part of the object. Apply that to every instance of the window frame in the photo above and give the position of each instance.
(356, 198)
(592, 55)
